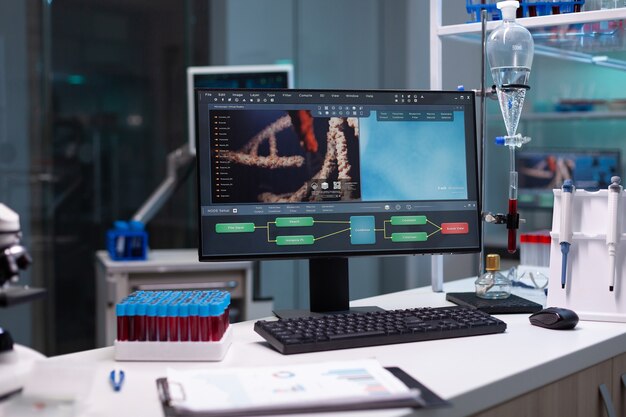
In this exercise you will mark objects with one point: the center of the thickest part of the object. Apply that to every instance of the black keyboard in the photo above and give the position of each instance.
(342, 331)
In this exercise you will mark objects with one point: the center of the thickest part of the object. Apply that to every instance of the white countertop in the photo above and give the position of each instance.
(473, 373)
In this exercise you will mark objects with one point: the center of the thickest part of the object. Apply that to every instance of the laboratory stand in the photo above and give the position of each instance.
(589, 273)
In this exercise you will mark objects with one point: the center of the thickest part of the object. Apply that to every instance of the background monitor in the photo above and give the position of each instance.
(233, 76)
(542, 170)
(328, 174)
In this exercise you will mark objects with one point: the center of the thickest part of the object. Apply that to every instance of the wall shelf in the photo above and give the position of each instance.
(595, 37)
(539, 21)
(573, 115)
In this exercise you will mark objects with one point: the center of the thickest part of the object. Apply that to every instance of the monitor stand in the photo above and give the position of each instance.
(328, 290)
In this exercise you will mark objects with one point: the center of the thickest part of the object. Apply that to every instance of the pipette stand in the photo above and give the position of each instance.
(587, 281)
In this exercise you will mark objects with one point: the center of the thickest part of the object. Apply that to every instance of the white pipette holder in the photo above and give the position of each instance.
(587, 287)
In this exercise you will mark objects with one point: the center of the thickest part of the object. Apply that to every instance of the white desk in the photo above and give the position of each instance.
(473, 373)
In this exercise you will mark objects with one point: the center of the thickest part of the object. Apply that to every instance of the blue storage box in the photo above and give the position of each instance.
(127, 241)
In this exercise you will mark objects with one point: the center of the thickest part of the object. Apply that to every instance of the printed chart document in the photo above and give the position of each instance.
(326, 386)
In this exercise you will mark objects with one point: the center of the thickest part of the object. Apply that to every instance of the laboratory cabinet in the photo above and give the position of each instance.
(618, 380)
(577, 395)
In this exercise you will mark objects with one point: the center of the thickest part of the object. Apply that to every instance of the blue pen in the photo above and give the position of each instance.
(565, 232)
(116, 383)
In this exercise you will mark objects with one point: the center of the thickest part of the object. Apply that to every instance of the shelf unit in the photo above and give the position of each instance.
(565, 116)
(470, 32)
(574, 115)
(545, 28)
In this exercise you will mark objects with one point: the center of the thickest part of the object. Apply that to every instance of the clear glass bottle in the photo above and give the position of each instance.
(492, 284)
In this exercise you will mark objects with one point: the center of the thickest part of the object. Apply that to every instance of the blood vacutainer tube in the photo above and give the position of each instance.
(172, 320)
(217, 324)
(183, 321)
(194, 319)
(161, 316)
(194, 324)
(122, 322)
(131, 308)
(226, 314)
(140, 321)
(162, 321)
(204, 321)
(151, 319)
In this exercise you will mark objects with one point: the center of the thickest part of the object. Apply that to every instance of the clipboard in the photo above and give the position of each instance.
(426, 399)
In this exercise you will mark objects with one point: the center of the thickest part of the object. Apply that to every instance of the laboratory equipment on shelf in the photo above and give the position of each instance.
(493, 284)
(510, 50)
(565, 235)
(612, 232)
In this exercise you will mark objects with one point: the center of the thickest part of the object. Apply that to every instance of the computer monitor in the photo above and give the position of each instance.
(326, 175)
(233, 76)
(541, 170)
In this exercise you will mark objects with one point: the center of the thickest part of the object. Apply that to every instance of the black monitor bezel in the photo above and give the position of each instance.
(343, 254)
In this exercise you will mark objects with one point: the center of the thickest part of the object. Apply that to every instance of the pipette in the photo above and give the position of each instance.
(565, 232)
(612, 233)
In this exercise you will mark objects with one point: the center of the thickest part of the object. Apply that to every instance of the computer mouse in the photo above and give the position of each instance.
(554, 318)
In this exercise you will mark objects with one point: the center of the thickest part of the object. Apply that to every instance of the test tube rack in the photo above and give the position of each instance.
(587, 282)
(173, 326)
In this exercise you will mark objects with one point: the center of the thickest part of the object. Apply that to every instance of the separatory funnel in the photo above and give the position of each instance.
(510, 49)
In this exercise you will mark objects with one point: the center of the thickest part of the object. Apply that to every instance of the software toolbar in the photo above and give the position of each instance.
(338, 97)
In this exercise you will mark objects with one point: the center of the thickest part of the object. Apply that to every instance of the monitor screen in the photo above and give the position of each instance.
(233, 76)
(331, 174)
(541, 170)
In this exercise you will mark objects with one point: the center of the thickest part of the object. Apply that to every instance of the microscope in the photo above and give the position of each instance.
(15, 361)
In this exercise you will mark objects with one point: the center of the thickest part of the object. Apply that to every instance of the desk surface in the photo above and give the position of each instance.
(473, 373)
